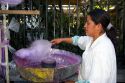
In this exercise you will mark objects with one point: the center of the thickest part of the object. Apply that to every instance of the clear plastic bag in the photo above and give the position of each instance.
(14, 25)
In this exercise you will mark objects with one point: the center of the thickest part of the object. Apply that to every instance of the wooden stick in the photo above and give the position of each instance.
(29, 12)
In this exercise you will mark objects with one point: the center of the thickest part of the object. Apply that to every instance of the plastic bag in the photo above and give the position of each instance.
(14, 25)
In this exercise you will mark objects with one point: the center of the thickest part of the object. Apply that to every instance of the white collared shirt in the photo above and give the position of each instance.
(98, 60)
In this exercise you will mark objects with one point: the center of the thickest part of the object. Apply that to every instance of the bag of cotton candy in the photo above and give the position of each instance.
(39, 50)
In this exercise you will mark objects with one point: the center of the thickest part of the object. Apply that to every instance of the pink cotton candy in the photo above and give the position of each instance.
(39, 50)
(23, 53)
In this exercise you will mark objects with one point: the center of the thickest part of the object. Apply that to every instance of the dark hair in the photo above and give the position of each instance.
(102, 17)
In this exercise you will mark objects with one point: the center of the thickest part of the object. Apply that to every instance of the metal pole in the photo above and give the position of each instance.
(91, 5)
(77, 16)
(124, 29)
(54, 9)
(61, 9)
(108, 3)
(69, 17)
(46, 20)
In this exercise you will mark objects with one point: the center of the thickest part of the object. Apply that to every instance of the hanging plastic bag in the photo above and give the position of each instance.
(14, 25)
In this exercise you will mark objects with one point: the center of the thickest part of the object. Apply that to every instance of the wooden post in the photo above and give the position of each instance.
(29, 12)
(6, 49)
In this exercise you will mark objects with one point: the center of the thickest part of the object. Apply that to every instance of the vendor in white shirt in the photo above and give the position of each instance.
(99, 58)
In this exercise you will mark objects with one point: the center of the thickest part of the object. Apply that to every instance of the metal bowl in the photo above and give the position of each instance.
(67, 64)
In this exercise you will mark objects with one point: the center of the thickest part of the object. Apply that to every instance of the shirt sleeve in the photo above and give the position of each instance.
(75, 40)
(80, 41)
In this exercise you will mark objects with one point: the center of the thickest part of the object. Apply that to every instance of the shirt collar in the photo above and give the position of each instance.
(98, 39)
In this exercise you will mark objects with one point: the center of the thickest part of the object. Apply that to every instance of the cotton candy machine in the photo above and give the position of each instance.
(41, 63)
(66, 65)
